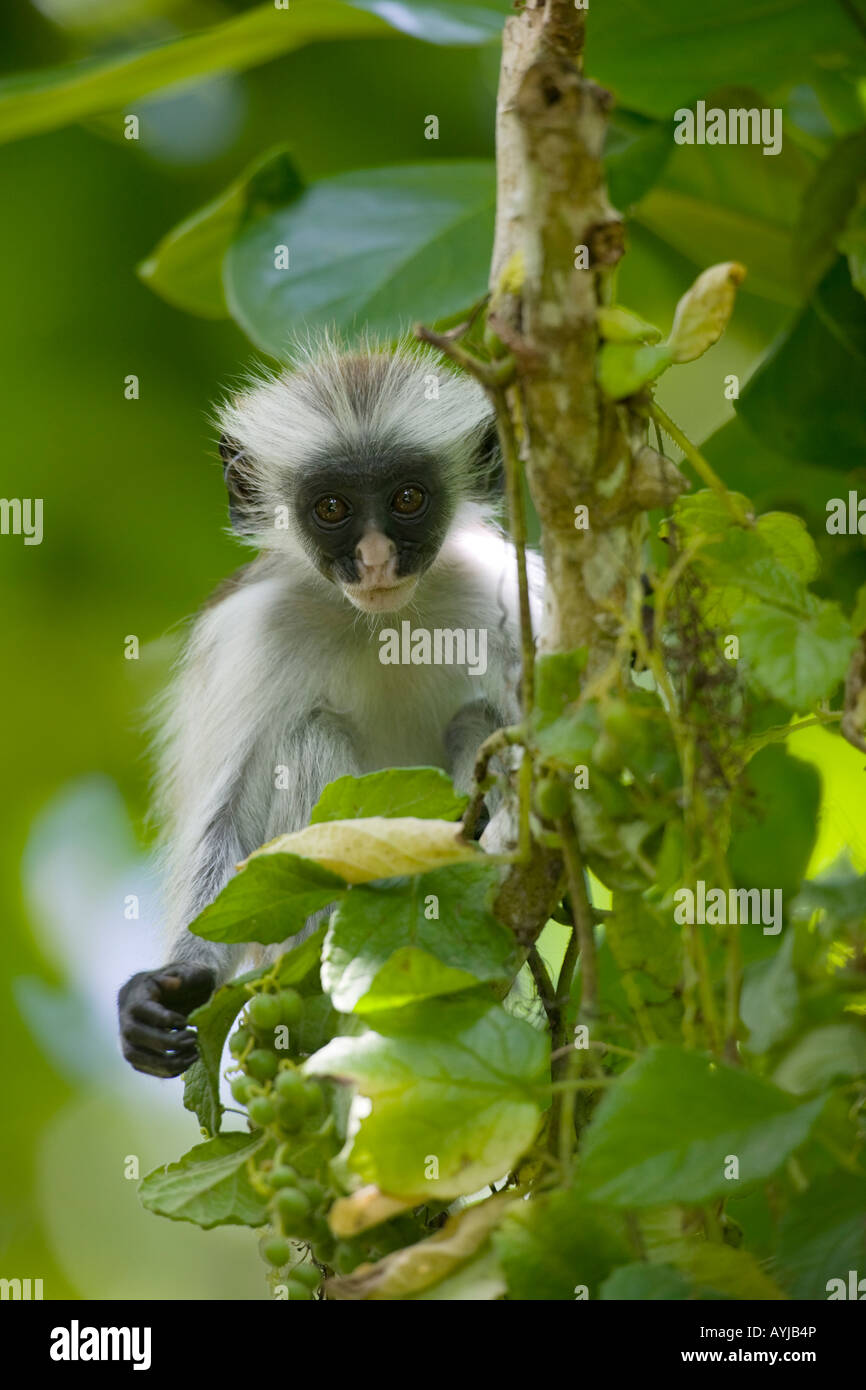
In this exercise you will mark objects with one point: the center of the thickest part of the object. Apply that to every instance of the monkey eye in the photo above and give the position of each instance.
(408, 501)
(331, 510)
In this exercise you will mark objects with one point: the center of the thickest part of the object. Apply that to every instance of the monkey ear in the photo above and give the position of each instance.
(240, 484)
(488, 467)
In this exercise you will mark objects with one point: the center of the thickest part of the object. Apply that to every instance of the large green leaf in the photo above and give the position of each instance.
(402, 791)
(768, 1004)
(213, 1023)
(642, 1282)
(822, 1057)
(432, 934)
(43, 100)
(806, 398)
(665, 1132)
(209, 1185)
(698, 49)
(378, 247)
(798, 658)
(775, 822)
(555, 1244)
(186, 267)
(454, 1090)
(269, 900)
(823, 1235)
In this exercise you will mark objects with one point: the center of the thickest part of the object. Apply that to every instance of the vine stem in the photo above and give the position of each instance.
(704, 470)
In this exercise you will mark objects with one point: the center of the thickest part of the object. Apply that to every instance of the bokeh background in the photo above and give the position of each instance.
(135, 539)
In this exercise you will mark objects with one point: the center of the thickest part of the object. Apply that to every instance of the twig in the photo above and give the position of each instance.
(704, 470)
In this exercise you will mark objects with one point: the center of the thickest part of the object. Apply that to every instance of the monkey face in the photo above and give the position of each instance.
(373, 523)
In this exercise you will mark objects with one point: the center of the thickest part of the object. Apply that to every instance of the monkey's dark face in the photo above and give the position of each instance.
(373, 522)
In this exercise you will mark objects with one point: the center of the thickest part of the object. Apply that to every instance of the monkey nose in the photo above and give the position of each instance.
(374, 552)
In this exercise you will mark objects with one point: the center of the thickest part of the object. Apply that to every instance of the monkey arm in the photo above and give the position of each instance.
(257, 805)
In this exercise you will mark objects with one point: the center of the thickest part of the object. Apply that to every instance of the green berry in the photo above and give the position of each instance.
(313, 1190)
(261, 1111)
(240, 1089)
(276, 1250)
(290, 1085)
(291, 1006)
(264, 1014)
(238, 1041)
(289, 1118)
(284, 1177)
(297, 1291)
(261, 1064)
(292, 1207)
(306, 1274)
(314, 1100)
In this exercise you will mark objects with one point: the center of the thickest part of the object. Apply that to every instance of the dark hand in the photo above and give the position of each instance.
(153, 1008)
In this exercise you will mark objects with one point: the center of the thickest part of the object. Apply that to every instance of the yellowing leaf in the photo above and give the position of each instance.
(376, 847)
(418, 1266)
(365, 1208)
(703, 312)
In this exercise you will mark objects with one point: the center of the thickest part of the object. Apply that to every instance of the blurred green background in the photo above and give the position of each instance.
(135, 539)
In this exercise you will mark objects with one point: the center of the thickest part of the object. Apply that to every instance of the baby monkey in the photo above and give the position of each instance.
(364, 480)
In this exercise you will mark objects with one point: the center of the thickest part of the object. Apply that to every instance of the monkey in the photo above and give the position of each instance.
(362, 477)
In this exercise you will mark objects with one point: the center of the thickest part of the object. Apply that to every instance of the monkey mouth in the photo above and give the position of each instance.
(382, 598)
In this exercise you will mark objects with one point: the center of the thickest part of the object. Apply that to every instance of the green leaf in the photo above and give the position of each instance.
(185, 268)
(838, 895)
(54, 97)
(664, 1133)
(213, 1022)
(455, 1081)
(852, 241)
(768, 1004)
(554, 1243)
(635, 154)
(822, 1057)
(765, 46)
(623, 368)
(830, 199)
(385, 948)
(646, 1282)
(209, 1185)
(776, 822)
(268, 900)
(806, 397)
(404, 791)
(374, 246)
(823, 1235)
(720, 1270)
(795, 658)
(647, 948)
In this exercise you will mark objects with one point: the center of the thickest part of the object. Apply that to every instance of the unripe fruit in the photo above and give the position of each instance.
(291, 1087)
(307, 1275)
(261, 1064)
(297, 1291)
(239, 1040)
(291, 1006)
(289, 1117)
(284, 1177)
(264, 1014)
(276, 1250)
(240, 1089)
(261, 1111)
(313, 1190)
(313, 1098)
(292, 1207)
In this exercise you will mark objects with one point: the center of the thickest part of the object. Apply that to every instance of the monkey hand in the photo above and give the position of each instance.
(153, 1008)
